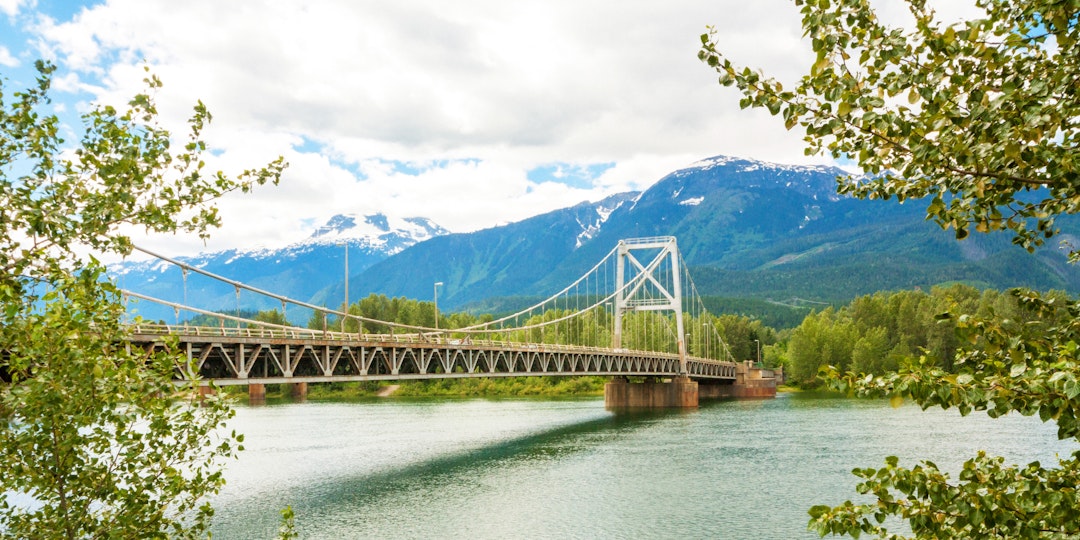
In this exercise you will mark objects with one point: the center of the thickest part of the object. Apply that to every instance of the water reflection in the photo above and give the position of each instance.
(569, 469)
(378, 453)
(536, 448)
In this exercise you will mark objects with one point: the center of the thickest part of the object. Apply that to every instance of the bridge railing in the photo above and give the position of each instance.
(279, 333)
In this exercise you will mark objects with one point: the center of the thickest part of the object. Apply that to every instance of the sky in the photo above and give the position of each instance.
(473, 113)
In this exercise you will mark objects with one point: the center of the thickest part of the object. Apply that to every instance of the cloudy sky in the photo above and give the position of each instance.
(472, 113)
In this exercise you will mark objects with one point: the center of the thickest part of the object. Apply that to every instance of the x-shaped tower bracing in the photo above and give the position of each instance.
(652, 287)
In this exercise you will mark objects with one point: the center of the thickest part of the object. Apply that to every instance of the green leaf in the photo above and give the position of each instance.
(987, 141)
(109, 450)
(1017, 370)
(817, 511)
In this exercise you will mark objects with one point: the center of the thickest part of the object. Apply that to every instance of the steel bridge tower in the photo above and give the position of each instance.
(646, 280)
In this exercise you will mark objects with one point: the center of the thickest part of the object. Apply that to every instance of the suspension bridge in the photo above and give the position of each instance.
(634, 316)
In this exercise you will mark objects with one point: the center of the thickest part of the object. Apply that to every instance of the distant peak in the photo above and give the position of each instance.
(334, 225)
(377, 231)
(379, 221)
(749, 165)
(428, 225)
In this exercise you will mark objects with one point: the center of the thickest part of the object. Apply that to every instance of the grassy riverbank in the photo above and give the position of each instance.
(488, 387)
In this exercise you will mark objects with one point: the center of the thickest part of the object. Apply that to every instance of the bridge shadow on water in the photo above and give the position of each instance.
(544, 477)
(369, 489)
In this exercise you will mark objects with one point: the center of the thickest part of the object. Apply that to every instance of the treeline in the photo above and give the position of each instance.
(641, 330)
(585, 385)
(872, 334)
(774, 314)
(398, 310)
(877, 333)
(272, 316)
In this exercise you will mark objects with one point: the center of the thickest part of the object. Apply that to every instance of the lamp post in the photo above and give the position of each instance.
(346, 244)
(437, 285)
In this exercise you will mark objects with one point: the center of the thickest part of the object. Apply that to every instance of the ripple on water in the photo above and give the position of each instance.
(569, 469)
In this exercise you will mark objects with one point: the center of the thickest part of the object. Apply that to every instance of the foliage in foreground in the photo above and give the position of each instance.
(982, 119)
(95, 440)
(1005, 366)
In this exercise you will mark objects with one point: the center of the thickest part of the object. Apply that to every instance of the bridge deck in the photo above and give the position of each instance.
(231, 356)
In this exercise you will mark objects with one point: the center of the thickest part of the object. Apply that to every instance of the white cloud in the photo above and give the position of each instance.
(481, 91)
(11, 7)
(6, 59)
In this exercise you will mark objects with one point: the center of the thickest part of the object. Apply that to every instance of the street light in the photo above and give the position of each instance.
(346, 244)
(437, 285)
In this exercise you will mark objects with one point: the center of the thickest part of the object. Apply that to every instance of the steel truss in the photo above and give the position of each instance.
(260, 358)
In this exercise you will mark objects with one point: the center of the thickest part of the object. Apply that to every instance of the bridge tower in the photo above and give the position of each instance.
(653, 286)
(650, 287)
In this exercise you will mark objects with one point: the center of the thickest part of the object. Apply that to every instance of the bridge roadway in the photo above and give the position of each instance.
(247, 356)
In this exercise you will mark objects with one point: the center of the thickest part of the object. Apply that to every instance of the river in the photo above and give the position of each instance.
(479, 469)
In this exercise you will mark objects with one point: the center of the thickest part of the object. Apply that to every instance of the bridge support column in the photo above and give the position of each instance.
(750, 382)
(298, 391)
(680, 392)
(256, 393)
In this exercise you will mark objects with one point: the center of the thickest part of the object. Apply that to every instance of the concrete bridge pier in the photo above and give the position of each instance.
(298, 391)
(750, 382)
(679, 392)
(256, 393)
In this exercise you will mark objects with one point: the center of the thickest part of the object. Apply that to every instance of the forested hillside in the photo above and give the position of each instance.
(876, 333)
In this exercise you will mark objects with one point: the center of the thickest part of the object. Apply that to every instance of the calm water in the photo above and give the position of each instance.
(477, 469)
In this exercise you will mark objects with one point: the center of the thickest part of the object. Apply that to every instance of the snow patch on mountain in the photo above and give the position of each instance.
(694, 201)
(709, 163)
(752, 165)
(603, 209)
(376, 234)
(376, 231)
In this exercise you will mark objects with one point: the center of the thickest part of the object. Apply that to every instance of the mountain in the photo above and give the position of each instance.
(501, 261)
(305, 271)
(760, 233)
(747, 228)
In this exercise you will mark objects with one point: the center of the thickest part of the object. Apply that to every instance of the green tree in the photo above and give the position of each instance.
(96, 441)
(320, 320)
(979, 116)
(271, 316)
(803, 354)
(871, 352)
(982, 119)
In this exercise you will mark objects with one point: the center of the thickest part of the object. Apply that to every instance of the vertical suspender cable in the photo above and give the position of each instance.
(183, 273)
(237, 304)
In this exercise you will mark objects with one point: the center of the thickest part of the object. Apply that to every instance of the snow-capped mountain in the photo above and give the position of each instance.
(747, 228)
(304, 270)
(500, 261)
(750, 229)
(376, 232)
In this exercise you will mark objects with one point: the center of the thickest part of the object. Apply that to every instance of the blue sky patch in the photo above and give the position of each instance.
(570, 174)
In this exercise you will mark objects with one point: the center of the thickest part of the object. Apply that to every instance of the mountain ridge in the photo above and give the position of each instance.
(747, 228)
